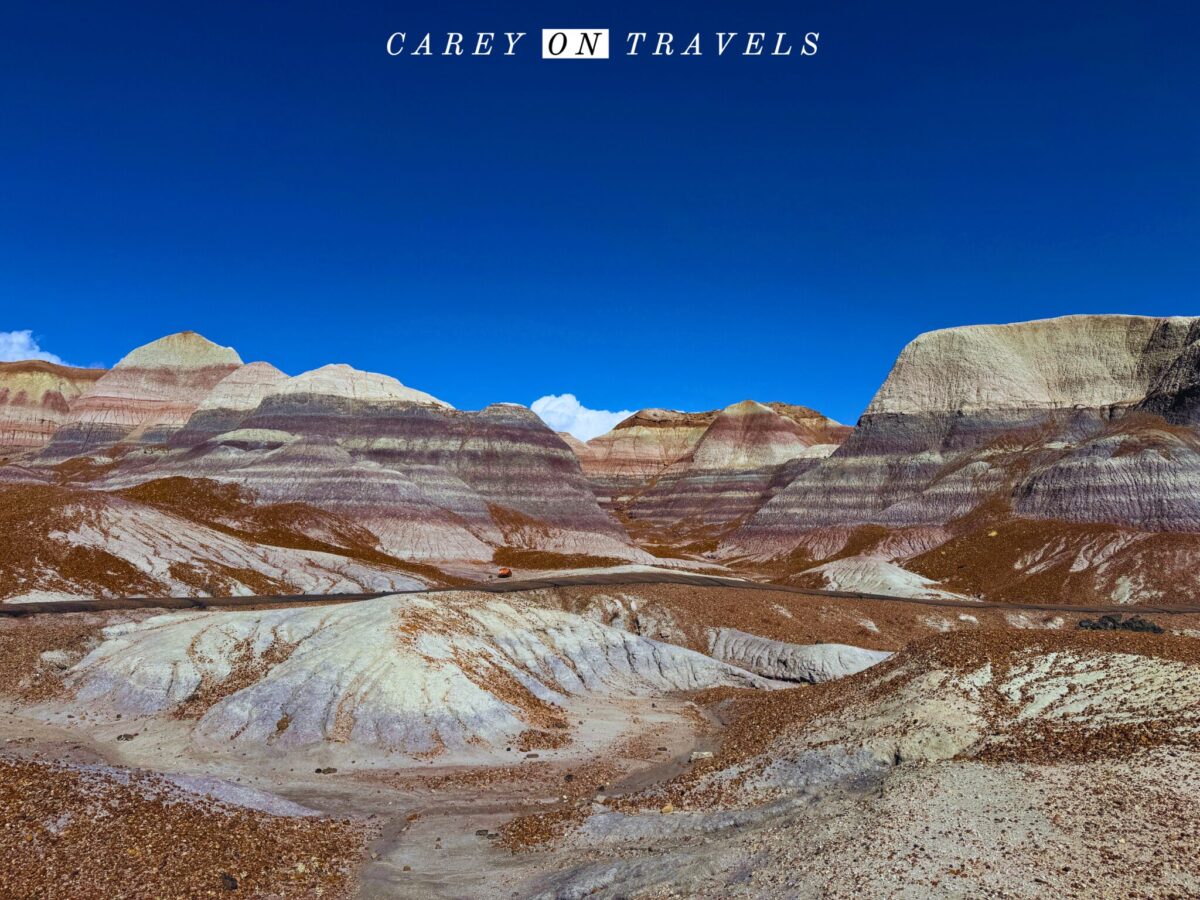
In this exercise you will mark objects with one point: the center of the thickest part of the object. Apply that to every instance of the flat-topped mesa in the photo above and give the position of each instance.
(145, 397)
(959, 385)
(972, 413)
(35, 400)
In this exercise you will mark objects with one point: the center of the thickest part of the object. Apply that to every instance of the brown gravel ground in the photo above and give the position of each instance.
(983, 560)
(85, 834)
(587, 783)
(23, 675)
(756, 720)
(29, 559)
(803, 619)
(958, 829)
(235, 510)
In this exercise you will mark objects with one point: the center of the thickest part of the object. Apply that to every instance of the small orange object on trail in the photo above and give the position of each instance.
(505, 572)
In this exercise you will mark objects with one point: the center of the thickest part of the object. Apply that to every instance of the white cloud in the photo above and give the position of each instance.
(563, 412)
(18, 345)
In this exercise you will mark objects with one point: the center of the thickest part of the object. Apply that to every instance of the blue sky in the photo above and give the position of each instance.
(637, 232)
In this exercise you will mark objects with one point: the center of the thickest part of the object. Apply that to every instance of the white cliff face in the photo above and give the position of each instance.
(1073, 361)
(407, 674)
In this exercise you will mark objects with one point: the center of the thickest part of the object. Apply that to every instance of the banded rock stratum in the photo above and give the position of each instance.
(1040, 445)
(35, 400)
(1050, 459)
(634, 727)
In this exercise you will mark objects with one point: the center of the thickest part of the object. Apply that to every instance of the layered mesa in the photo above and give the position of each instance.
(121, 485)
(1056, 459)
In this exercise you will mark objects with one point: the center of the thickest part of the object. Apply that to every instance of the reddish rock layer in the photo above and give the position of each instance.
(35, 399)
(146, 397)
(431, 482)
(969, 413)
(692, 472)
(1080, 421)
(236, 395)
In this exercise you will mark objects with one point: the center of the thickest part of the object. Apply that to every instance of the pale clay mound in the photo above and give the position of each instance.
(340, 380)
(889, 783)
(153, 541)
(186, 350)
(244, 388)
(871, 575)
(814, 663)
(410, 675)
